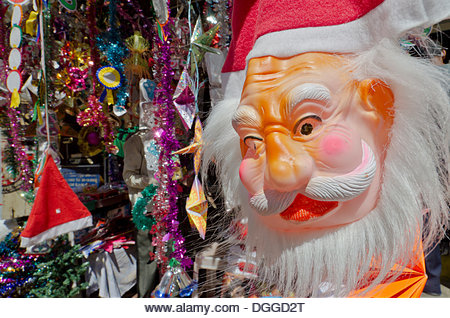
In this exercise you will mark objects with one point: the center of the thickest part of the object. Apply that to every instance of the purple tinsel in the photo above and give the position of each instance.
(165, 208)
(145, 27)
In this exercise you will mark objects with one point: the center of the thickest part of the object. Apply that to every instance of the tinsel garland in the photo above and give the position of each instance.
(111, 44)
(142, 221)
(168, 240)
(26, 171)
(95, 59)
(3, 37)
(145, 27)
(47, 36)
(16, 269)
(13, 115)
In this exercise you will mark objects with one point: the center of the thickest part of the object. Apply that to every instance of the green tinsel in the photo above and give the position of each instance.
(61, 275)
(141, 221)
(9, 159)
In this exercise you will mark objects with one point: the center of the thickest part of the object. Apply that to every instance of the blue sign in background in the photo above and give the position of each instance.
(78, 181)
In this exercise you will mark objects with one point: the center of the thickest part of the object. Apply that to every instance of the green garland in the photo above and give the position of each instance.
(142, 221)
(61, 275)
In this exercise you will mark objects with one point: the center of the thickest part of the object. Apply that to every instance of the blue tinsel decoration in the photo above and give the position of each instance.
(111, 44)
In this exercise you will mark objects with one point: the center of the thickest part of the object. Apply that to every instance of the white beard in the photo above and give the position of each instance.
(341, 256)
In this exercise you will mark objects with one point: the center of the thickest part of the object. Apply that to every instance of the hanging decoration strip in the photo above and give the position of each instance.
(26, 173)
(14, 78)
(3, 39)
(196, 204)
(111, 44)
(168, 240)
(95, 59)
(145, 27)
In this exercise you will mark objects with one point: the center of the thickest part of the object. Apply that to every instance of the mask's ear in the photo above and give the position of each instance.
(376, 96)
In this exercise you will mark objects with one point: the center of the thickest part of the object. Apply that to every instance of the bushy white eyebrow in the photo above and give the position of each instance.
(245, 116)
(307, 91)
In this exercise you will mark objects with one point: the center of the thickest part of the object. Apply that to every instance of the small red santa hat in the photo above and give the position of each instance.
(56, 209)
(284, 28)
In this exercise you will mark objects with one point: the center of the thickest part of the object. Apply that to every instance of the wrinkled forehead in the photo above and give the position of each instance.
(271, 64)
(269, 73)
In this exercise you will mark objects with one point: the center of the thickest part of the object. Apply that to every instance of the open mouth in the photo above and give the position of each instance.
(304, 209)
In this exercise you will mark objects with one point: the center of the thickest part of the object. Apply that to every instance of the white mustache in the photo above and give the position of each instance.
(339, 188)
(271, 201)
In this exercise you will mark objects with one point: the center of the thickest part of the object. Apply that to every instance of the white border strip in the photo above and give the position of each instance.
(56, 231)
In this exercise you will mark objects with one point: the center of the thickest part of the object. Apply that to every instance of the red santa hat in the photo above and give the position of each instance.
(284, 28)
(56, 209)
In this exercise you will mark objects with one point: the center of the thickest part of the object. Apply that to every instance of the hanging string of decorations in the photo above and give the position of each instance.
(170, 251)
(112, 46)
(13, 82)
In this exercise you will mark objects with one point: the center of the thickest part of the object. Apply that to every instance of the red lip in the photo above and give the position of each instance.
(304, 209)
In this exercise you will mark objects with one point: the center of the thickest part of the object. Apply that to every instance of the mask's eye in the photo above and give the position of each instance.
(253, 142)
(307, 125)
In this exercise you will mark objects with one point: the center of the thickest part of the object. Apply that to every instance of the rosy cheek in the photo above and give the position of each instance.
(252, 175)
(243, 170)
(334, 145)
(339, 151)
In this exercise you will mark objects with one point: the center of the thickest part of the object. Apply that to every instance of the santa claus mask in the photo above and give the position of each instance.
(313, 141)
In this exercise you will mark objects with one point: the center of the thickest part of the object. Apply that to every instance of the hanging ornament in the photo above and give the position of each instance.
(109, 77)
(13, 83)
(200, 44)
(94, 116)
(161, 8)
(184, 100)
(196, 204)
(186, 285)
(197, 207)
(136, 63)
(198, 30)
(175, 281)
(161, 33)
(147, 89)
(90, 141)
(166, 286)
(31, 23)
(70, 5)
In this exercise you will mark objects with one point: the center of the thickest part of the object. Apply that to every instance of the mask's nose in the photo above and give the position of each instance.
(289, 166)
